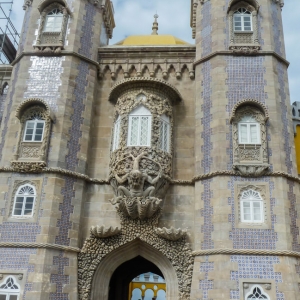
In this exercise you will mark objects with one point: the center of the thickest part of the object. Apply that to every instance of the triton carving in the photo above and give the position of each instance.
(95, 250)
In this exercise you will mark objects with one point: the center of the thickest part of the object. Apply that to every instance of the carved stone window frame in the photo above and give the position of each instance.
(247, 284)
(262, 188)
(52, 41)
(244, 42)
(37, 184)
(248, 159)
(32, 152)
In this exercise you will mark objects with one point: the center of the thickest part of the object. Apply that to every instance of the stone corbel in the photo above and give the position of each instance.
(251, 170)
(152, 68)
(126, 71)
(26, 4)
(178, 72)
(191, 70)
(113, 69)
(139, 70)
(165, 71)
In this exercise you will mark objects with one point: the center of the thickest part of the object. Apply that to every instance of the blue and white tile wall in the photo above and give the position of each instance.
(255, 267)
(206, 285)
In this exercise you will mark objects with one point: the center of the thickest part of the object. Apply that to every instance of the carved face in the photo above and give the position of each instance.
(136, 178)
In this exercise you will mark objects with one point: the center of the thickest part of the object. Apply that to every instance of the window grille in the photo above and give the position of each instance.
(252, 207)
(54, 20)
(9, 290)
(257, 293)
(165, 133)
(242, 20)
(24, 201)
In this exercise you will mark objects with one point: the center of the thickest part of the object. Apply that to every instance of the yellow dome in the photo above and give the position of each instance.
(151, 40)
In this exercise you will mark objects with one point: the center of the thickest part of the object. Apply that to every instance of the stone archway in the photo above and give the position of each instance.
(105, 270)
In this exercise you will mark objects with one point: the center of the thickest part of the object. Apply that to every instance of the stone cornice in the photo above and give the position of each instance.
(246, 252)
(230, 53)
(192, 181)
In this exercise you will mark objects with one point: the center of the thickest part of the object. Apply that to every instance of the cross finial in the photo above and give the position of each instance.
(155, 25)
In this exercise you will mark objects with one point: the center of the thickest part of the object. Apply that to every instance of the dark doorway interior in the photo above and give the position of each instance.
(124, 274)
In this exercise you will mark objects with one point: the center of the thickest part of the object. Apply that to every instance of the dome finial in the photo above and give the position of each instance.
(155, 25)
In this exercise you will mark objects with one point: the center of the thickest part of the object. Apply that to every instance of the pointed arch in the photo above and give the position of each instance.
(252, 3)
(104, 271)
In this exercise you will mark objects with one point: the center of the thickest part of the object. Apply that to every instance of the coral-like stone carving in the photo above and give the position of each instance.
(24, 167)
(137, 207)
(251, 170)
(171, 234)
(104, 232)
(95, 250)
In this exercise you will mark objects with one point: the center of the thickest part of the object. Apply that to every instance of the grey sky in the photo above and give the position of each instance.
(136, 17)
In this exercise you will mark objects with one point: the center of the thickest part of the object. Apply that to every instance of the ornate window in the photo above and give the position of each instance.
(243, 26)
(139, 128)
(249, 131)
(250, 155)
(9, 290)
(24, 201)
(252, 207)
(164, 137)
(35, 119)
(242, 20)
(52, 29)
(256, 293)
(116, 136)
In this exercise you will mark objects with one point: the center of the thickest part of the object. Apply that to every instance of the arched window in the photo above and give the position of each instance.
(249, 131)
(24, 201)
(252, 207)
(139, 130)
(256, 293)
(54, 20)
(9, 290)
(116, 136)
(242, 19)
(164, 138)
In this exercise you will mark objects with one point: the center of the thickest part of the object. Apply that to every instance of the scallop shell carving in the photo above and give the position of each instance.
(171, 234)
(104, 232)
(138, 207)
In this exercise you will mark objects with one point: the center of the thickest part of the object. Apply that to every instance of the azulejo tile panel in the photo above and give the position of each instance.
(205, 285)
(206, 27)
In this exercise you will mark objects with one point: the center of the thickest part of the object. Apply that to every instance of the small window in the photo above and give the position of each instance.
(9, 290)
(116, 136)
(256, 293)
(164, 138)
(24, 202)
(249, 131)
(34, 130)
(139, 131)
(252, 207)
(5, 88)
(242, 20)
(54, 20)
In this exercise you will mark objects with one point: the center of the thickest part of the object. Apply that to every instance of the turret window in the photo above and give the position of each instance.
(54, 20)
(24, 202)
(34, 130)
(9, 290)
(252, 207)
(165, 133)
(242, 20)
(116, 136)
(249, 131)
(139, 133)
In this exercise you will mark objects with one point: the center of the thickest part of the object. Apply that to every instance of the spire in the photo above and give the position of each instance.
(155, 25)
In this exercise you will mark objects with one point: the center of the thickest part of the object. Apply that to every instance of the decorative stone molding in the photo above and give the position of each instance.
(38, 245)
(251, 170)
(160, 85)
(244, 49)
(140, 66)
(52, 42)
(28, 167)
(27, 3)
(95, 251)
(193, 20)
(104, 232)
(244, 42)
(171, 234)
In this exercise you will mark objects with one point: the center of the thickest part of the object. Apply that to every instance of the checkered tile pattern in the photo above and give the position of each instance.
(206, 285)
